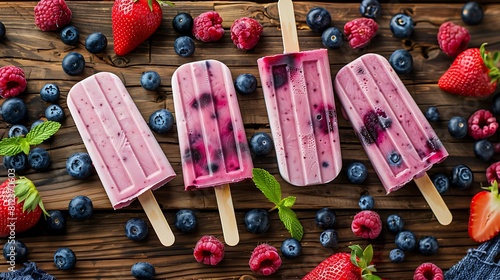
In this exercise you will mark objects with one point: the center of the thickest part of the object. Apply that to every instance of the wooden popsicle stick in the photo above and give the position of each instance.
(157, 219)
(227, 216)
(434, 199)
(288, 27)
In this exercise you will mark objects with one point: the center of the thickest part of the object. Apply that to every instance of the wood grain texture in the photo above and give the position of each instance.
(101, 247)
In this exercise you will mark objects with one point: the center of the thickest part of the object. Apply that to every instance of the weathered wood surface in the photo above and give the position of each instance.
(101, 247)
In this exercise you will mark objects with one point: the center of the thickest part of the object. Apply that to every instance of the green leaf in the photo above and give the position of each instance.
(368, 254)
(267, 184)
(42, 132)
(291, 222)
(10, 146)
(24, 145)
(288, 201)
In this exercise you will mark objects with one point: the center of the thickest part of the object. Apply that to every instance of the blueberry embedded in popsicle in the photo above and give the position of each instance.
(280, 76)
(323, 117)
(374, 124)
(395, 159)
(203, 101)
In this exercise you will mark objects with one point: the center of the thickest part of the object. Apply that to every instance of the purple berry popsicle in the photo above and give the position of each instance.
(212, 140)
(129, 161)
(300, 104)
(398, 139)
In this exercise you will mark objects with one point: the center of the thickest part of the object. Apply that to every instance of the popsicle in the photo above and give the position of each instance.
(212, 141)
(398, 139)
(129, 161)
(300, 104)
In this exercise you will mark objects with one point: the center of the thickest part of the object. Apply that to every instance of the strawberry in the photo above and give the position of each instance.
(20, 206)
(484, 219)
(134, 21)
(344, 266)
(473, 73)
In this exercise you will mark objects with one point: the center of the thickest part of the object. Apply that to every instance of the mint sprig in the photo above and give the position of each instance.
(271, 189)
(14, 145)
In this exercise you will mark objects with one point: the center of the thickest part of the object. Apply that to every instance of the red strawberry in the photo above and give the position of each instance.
(473, 73)
(134, 21)
(484, 219)
(20, 206)
(344, 266)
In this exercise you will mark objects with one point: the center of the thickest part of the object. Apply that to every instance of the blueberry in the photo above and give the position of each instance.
(366, 202)
(17, 130)
(441, 181)
(39, 159)
(457, 127)
(432, 114)
(184, 46)
(397, 255)
(329, 238)
(370, 8)
(64, 258)
(70, 35)
(80, 207)
(332, 38)
(291, 248)
(472, 13)
(318, 19)
(406, 240)
(260, 144)
(461, 177)
(245, 84)
(79, 165)
(2, 32)
(395, 223)
(35, 123)
(356, 172)
(484, 149)
(402, 61)
(325, 218)
(73, 64)
(143, 271)
(19, 162)
(14, 110)
(428, 245)
(55, 222)
(401, 26)
(183, 23)
(54, 112)
(186, 220)
(15, 250)
(50, 93)
(495, 105)
(257, 221)
(150, 80)
(96, 43)
(136, 229)
(161, 121)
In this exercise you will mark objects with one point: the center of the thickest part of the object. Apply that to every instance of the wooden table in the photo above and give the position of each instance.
(102, 249)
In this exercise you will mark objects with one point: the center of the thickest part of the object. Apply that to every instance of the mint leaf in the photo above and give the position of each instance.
(291, 222)
(25, 146)
(10, 146)
(42, 132)
(267, 184)
(288, 201)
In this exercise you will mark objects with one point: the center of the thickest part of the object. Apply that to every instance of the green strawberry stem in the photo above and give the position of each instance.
(493, 189)
(26, 191)
(161, 2)
(362, 259)
(490, 60)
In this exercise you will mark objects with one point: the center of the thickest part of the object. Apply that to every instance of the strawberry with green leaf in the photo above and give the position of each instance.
(20, 206)
(484, 219)
(344, 266)
(473, 73)
(133, 22)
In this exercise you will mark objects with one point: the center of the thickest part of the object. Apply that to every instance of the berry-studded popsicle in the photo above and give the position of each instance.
(398, 139)
(128, 159)
(300, 104)
(212, 139)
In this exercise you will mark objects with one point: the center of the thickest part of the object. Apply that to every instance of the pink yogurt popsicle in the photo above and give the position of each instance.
(124, 152)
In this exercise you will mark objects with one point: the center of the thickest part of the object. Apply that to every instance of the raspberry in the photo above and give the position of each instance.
(493, 172)
(452, 38)
(482, 124)
(207, 27)
(428, 271)
(209, 250)
(367, 224)
(360, 31)
(12, 81)
(52, 15)
(265, 260)
(245, 33)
